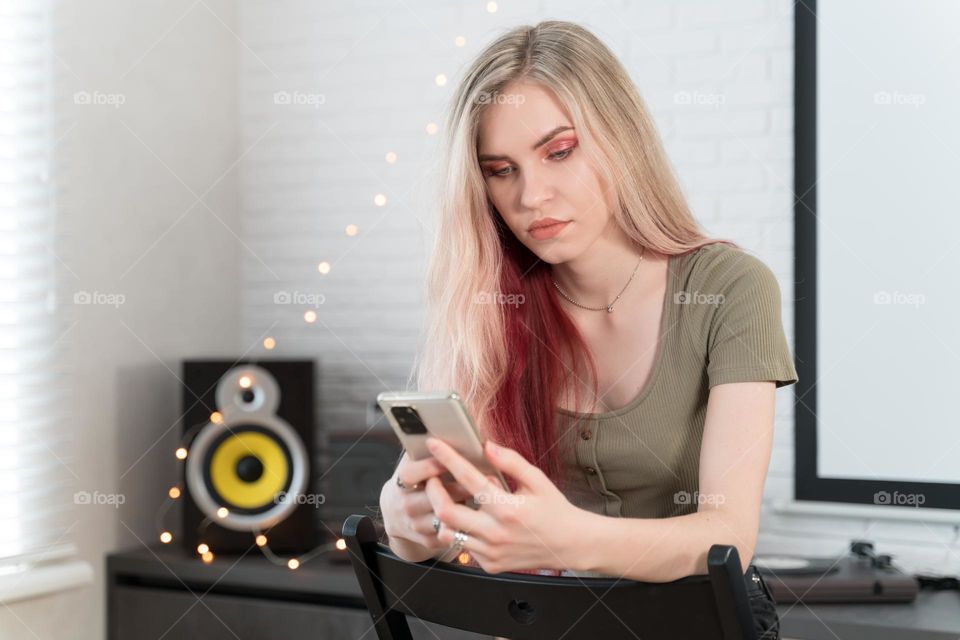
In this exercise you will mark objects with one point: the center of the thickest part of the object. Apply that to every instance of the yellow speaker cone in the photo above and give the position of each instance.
(234, 489)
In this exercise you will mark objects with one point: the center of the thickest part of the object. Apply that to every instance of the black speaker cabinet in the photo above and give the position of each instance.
(249, 425)
(357, 465)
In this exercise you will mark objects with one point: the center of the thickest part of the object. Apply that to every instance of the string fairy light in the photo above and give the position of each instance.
(260, 539)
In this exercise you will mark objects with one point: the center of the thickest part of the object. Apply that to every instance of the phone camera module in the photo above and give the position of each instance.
(409, 420)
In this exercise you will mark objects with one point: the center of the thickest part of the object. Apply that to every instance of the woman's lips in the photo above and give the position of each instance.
(545, 233)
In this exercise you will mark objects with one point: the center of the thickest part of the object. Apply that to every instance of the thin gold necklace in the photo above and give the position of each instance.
(608, 308)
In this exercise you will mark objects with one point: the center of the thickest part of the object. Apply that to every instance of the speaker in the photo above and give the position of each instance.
(249, 429)
(357, 466)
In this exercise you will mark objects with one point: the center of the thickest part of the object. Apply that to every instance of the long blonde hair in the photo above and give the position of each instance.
(509, 379)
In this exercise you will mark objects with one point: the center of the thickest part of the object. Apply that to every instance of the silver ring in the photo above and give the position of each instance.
(436, 524)
(459, 539)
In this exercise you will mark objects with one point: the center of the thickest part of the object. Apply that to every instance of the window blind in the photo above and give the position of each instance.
(36, 491)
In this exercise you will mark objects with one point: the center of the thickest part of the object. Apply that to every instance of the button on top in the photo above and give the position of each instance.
(586, 434)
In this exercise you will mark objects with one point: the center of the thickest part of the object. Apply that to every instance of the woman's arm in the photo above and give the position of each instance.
(734, 456)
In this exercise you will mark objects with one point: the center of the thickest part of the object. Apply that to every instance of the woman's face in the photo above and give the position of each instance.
(533, 168)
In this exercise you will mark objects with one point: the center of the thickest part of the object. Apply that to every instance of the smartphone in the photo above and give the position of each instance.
(415, 415)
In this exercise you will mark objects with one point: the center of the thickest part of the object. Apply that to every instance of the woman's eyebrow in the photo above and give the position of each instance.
(542, 141)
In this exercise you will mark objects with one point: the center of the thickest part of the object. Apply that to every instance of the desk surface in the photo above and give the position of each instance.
(934, 615)
(319, 577)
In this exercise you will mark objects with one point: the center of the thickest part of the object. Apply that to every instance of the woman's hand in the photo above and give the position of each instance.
(407, 513)
(535, 527)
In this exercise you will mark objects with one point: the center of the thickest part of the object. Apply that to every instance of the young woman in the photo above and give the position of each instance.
(625, 363)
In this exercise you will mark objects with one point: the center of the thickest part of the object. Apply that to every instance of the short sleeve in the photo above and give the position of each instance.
(746, 341)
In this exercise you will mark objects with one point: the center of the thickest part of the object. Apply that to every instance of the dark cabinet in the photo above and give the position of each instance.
(166, 593)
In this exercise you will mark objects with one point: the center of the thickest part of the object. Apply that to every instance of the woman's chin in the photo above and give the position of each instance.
(555, 254)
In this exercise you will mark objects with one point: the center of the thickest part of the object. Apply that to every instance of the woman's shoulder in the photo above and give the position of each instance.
(720, 266)
(721, 283)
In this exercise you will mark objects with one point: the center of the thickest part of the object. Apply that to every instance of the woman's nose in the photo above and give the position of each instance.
(536, 190)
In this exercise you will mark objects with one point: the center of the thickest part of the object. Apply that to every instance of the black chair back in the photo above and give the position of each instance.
(523, 606)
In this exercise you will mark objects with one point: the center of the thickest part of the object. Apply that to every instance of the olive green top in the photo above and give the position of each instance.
(721, 323)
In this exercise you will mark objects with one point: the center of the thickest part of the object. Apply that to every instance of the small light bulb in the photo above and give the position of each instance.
(460, 41)
(181, 453)
(441, 79)
(324, 267)
(207, 557)
(166, 537)
(341, 544)
(310, 316)
(174, 492)
(216, 417)
(293, 563)
(379, 199)
(245, 382)
(351, 230)
(431, 128)
(464, 558)
(223, 512)
(261, 540)
(269, 343)
(202, 548)
(492, 7)
(391, 157)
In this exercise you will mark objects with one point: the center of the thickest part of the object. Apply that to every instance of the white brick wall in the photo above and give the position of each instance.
(318, 170)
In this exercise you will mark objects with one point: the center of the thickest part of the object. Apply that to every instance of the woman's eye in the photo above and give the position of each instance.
(562, 154)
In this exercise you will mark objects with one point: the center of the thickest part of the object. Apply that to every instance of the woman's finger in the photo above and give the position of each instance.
(461, 468)
(418, 471)
(474, 545)
(456, 515)
(423, 526)
(457, 491)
